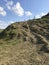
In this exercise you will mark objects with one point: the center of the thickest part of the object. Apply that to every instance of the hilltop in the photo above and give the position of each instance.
(25, 43)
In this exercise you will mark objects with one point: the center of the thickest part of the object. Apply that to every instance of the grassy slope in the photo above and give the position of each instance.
(25, 43)
(1, 30)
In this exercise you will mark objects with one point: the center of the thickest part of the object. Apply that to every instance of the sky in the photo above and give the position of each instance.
(19, 10)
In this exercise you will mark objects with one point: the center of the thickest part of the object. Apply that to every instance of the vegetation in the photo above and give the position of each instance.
(1, 30)
(25, 43)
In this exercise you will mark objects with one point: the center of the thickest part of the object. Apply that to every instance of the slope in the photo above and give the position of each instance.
(25, 43)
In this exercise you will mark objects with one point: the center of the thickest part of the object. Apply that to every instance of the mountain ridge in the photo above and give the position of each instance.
(26, 43)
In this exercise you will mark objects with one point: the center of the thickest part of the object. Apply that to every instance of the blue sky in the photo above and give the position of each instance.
(20, 10)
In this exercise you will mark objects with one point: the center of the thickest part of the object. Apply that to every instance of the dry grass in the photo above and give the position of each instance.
(25, 43)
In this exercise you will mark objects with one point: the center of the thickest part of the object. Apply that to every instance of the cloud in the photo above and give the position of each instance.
(11, 22)
(37, 16)
(9, 4)
(40, 15)
(18, 9)
(28, 13)
(43, 14)
(4, 24)
(2, 11)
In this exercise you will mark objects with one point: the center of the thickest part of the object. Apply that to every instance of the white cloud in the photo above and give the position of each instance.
(18, 9)
(4, 24)
(37, 16)
(43, 14)
(9, 4)
(11, 22)
(40, 15)
(2, 11)
(28, 13)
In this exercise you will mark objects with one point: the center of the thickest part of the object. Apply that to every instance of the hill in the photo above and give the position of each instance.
(1, 30)
(25, 43)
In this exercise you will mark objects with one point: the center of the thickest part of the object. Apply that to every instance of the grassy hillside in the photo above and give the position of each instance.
(25, 43)
(1, 30)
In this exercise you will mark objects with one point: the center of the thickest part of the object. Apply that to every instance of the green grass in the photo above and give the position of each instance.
(1, 30)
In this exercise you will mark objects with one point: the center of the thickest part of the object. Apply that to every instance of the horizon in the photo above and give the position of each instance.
(17, 10)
